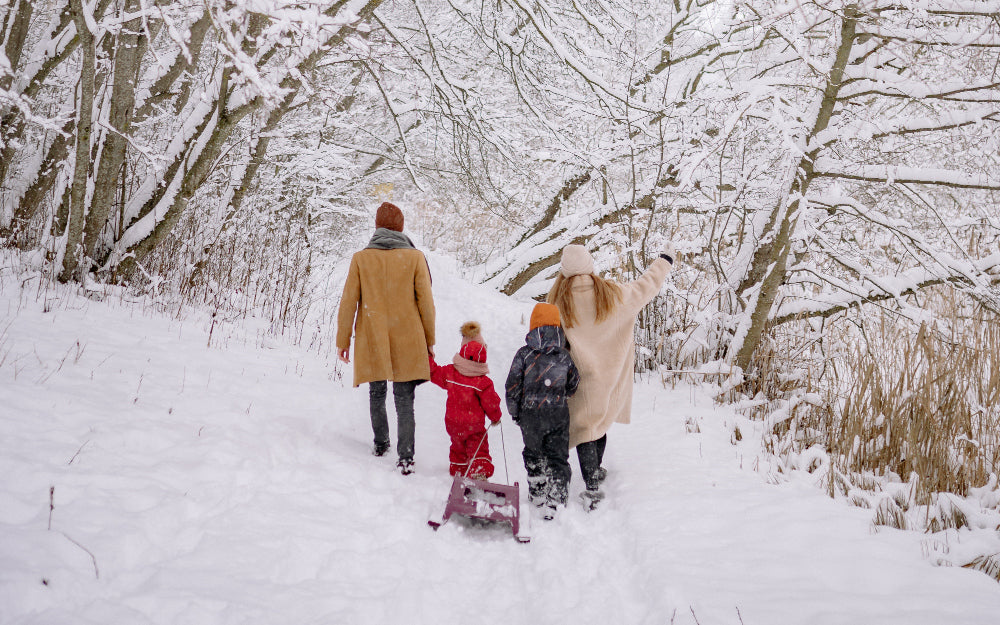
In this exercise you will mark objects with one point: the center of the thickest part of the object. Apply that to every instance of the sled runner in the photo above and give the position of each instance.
(478, 499)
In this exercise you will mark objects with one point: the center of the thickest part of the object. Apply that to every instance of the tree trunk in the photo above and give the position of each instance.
(12, 125)
(84, 120)
(16, 33)
(127, 56)
(190, 175)
(58, 45)
(769, 265)
(161, 89)
(45, 177)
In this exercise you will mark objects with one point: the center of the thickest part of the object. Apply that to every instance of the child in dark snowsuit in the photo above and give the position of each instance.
(471, 400)
(542, 378)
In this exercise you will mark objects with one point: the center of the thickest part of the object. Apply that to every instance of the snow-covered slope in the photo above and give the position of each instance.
(231, 481)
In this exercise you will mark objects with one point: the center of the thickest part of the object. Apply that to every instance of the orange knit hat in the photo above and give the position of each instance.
(544, 315)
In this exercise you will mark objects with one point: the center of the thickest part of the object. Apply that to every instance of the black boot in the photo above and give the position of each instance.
(602, 474)
(591, 499)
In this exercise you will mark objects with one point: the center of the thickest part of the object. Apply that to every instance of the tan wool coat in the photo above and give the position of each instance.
(388, 305)
(604, 353)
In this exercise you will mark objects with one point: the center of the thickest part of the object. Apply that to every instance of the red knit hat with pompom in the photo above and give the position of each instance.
(472, 331)
(474, 351)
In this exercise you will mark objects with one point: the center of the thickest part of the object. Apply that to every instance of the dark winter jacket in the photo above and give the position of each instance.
(471, 400)
(542, 376)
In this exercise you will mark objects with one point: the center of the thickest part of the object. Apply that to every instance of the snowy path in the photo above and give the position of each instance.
(234, 484)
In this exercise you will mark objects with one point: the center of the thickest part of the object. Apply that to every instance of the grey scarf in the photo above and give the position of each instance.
(385, 239)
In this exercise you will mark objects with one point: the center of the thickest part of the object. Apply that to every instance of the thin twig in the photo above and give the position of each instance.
(97, 572)
(212, 328)
(78, 451)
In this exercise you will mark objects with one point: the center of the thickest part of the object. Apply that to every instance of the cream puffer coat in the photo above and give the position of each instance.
(387, 303)
(604, 353)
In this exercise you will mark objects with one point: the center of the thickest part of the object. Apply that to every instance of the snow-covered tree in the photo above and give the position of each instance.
(882, 123)
(161, 92)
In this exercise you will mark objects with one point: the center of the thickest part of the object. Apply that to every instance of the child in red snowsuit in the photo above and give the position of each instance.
(471, 400)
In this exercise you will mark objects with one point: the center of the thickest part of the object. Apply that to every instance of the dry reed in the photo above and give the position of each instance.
(899, 418)
(989, 564)
(924, 407)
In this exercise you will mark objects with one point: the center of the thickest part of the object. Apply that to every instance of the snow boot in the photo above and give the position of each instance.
(381, 449)
(591, 499)
(549, 512)
(538, 488)
(405, 466)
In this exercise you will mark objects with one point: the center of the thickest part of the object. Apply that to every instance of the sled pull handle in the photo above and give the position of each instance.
(468, 467)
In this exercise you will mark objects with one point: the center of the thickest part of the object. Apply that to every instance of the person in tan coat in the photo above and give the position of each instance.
(388, 307)
(599, 319)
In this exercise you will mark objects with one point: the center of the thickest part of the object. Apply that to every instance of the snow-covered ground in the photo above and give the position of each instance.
(231, 481)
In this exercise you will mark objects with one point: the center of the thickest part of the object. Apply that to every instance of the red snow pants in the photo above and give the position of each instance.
(463, 454)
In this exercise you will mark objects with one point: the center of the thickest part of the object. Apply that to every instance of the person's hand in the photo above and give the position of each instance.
(344, 355)
(430, 350)
(668, 249)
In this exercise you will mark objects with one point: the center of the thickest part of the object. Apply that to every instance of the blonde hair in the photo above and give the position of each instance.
(607, 295)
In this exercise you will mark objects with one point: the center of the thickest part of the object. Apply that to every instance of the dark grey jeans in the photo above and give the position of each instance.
(402, 394)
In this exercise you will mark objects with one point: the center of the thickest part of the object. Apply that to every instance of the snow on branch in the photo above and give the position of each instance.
(929, 37)
(444, 85)
(969, 8)
(889, 85)
(830, 168)
(571, 60)
(977, 277)
(889, 288)
(867, 129)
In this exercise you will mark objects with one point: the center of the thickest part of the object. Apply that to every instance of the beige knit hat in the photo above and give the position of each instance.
(576, 261)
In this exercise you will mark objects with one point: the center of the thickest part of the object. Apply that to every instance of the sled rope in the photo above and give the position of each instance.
(475, 455)
(503, 446)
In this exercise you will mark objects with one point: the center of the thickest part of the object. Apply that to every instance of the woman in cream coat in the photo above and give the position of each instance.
(599, 319)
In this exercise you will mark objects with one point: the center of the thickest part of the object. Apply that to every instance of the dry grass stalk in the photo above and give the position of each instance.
(260, 266)
(944, 515)
(888, 513)
(910, 413)
(989, 564)
(924, 407)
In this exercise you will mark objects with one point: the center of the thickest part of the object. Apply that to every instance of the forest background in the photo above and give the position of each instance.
(829, 172)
